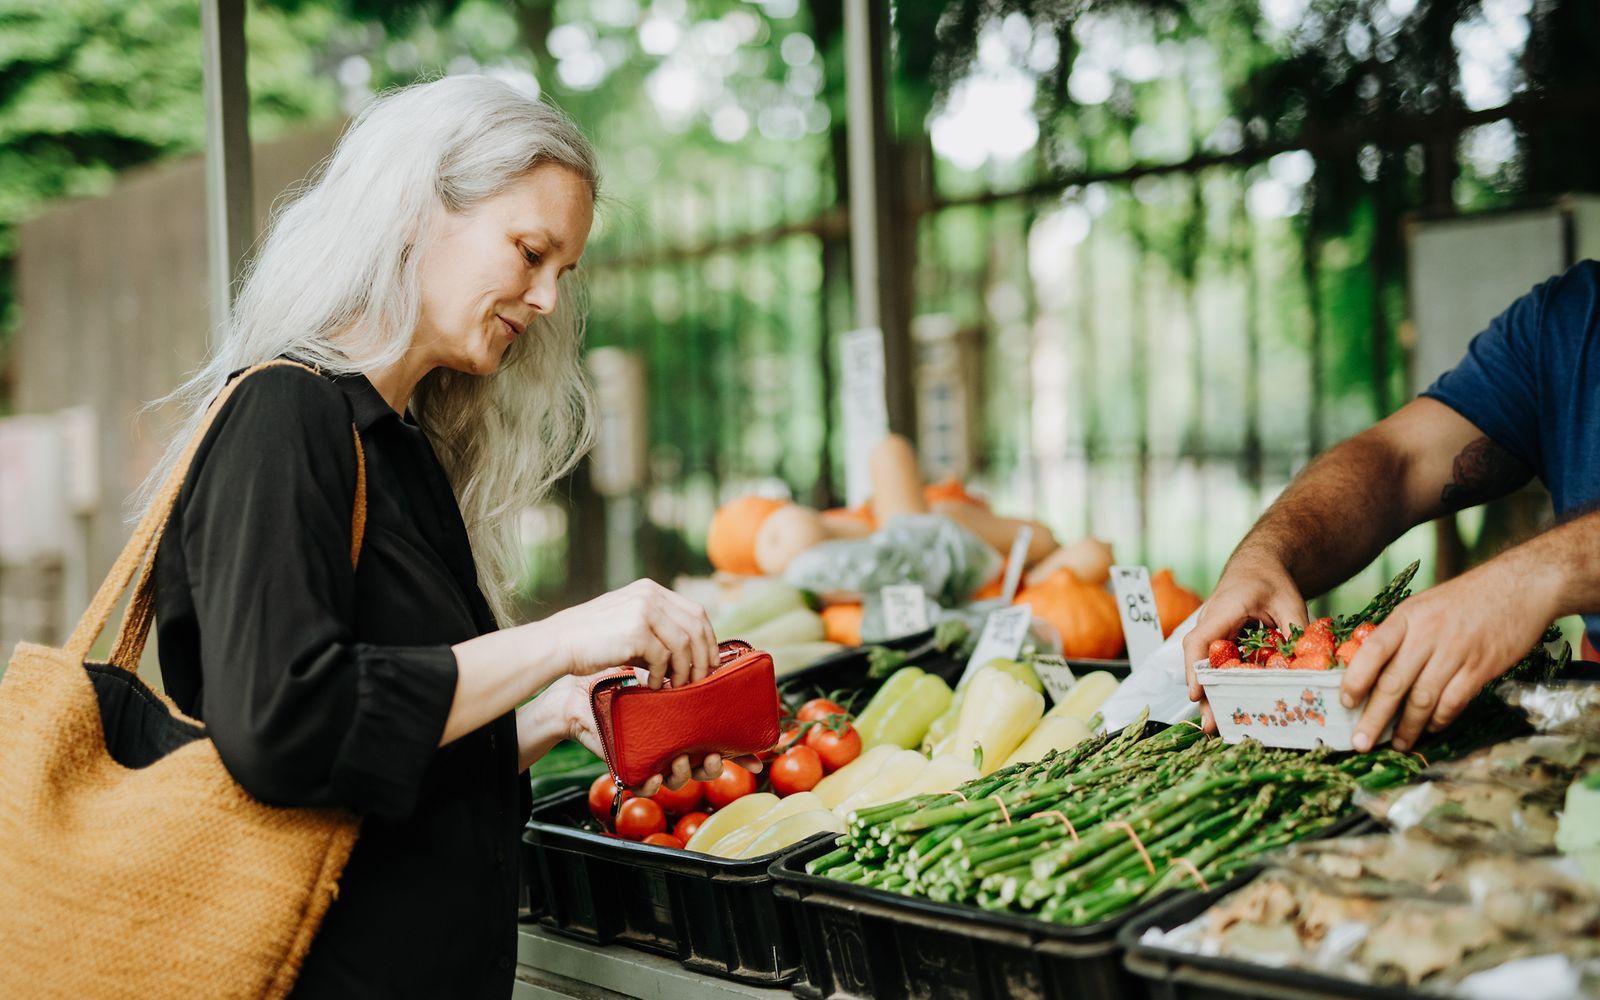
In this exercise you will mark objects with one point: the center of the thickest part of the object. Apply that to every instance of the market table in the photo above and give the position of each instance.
(549, 965)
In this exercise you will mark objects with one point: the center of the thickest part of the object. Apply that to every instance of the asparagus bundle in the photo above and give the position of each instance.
(1085, 833)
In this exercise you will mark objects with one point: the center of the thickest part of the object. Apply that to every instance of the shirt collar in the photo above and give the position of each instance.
(367, 404)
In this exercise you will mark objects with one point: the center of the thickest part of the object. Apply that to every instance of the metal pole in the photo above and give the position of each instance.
(873, 243)
(230, 222)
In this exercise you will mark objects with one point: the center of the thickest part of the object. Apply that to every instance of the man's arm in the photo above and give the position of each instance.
(1343, 509)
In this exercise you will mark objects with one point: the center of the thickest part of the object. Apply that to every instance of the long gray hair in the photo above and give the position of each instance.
(335, 282)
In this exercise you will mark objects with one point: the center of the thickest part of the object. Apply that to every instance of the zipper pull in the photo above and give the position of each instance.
(616, 801)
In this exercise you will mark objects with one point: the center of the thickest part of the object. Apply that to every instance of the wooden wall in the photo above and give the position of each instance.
(113, 305)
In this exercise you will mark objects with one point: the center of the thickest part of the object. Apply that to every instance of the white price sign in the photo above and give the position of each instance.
(866, 409)
(905, 609)
(1055, 675)
(1014, 561)
(1002, 636)
(1136, 603)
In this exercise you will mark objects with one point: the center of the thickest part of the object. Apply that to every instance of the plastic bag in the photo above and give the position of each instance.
(946, 560)
(1571, 707)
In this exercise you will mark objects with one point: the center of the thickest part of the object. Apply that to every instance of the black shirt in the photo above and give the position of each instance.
(323, 686)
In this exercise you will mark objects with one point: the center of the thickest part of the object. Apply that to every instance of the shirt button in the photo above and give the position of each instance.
(491, 741)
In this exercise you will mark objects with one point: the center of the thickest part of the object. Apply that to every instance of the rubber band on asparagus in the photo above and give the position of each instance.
(1188, 866)
(1120, 825)
(1064, 822)
(1003, 810)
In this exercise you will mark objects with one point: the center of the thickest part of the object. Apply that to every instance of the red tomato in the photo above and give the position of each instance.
(600, 794)
(799, 770)
(733, 783)
(684, 800)
(689, 825)
(664, 840)
(835, 749)
(640, 818)
(818, 709)
(787, 739)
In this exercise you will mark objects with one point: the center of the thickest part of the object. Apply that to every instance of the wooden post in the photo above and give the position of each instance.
(875, 253)
(230, 223)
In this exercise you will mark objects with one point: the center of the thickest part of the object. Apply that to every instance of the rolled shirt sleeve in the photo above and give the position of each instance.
(301, 713)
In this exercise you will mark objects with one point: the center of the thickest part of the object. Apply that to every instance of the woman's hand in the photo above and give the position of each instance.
(642, 625)
(566, 710)
(1253, 588)
(1438, 649)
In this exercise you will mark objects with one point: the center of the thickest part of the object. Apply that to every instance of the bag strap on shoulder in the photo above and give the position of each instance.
(139, 553)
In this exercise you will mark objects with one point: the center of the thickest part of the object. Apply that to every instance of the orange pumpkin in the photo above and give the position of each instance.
(1083, 614)
(1174, 602)
(841, 623)
(990, 590)
(950, 489)
(731, 542)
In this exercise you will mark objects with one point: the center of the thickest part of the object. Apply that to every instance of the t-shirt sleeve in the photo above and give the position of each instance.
(301, 713)
(1497, 385)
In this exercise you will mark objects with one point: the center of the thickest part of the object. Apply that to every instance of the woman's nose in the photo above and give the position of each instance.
(541, 295)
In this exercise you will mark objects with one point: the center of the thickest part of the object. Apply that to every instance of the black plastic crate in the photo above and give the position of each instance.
(1178, 975)
(716, 916)
(861, 942)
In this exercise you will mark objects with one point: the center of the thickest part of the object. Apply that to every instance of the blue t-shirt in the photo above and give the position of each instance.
(1531, 382)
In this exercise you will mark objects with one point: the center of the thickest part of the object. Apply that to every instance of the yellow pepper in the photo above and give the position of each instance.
(1054, 732)
(999, 713)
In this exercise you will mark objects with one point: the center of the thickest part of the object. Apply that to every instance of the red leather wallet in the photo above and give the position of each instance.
(733, 710)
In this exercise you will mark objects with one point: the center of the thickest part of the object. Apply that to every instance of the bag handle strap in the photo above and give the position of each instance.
(139, 553)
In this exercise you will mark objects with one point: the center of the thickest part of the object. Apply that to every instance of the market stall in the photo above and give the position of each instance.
(947, 812)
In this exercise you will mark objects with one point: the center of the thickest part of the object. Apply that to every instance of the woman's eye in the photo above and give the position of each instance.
(531, 257)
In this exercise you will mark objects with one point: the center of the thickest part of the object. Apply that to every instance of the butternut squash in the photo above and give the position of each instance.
(896, 483)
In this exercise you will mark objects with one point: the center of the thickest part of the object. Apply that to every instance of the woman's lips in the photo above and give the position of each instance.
(511, 329)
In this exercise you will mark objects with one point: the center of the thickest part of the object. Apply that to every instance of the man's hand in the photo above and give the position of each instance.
(1253, 587)
(1438, 649)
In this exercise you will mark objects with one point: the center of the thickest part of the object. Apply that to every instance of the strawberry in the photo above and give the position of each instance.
(1260, 643)
(1221, 651)
(1314, 641)
(1277, 661)
(1346, 653)
(1316, 660)
(1232, 664)
(1322, 625)
(1363, 630)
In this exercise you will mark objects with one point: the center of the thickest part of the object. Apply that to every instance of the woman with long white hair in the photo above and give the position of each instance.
(426, 278)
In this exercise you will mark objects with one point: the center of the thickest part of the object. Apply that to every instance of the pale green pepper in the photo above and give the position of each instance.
(870, 722)
(905, 722)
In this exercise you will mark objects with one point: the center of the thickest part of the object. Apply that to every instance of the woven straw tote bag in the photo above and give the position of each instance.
(131, 863)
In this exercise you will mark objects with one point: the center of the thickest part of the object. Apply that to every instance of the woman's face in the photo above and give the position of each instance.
(497, 267)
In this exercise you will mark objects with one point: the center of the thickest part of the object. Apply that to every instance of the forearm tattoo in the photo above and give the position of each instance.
(1482, 472)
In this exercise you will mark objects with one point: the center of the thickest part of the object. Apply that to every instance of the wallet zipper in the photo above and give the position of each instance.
(605, 750)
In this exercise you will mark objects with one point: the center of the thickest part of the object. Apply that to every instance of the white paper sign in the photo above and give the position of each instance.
(905, 609)
(1014, 561)
(1136, 603)
(866, 408)
(1056, 676)
(1002, 636)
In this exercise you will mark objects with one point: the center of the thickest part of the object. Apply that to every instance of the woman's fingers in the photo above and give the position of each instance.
(698, 625)
(679, 773)
(1287, 612)
(1208, 719)
(690, 650)
(710, 767)
(651, 786)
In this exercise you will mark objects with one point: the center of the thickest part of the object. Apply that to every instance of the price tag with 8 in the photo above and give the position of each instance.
(1136, 603)
(1055, 675)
